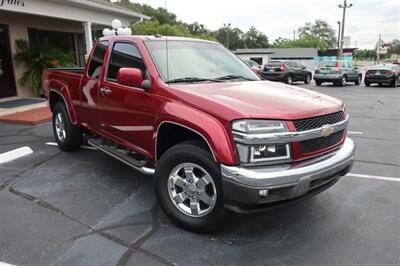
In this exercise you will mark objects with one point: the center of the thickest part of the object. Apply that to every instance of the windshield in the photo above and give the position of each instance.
(385, 66)
(191, 61)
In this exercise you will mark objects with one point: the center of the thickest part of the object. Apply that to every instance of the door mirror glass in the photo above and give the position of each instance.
(131, 77)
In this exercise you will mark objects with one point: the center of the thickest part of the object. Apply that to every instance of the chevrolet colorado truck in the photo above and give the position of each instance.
(216, 138)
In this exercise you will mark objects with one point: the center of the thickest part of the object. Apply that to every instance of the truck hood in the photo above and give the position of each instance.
(256, 99)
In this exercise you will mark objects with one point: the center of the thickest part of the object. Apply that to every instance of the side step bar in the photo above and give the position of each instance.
(121, 155)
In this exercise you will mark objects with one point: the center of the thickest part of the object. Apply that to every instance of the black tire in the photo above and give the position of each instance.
(307, 79)
(73, 135)
(367, 84)
(358, 81)
(343, 81)
(395, 82)
(318, 83)
(289, 79)
(190, 152)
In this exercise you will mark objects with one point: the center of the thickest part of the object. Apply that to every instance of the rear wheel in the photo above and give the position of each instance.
(343, 81)
(395, 82)
(367, 84)
(68, 137)
(188, 188)
(358, 81)
(289, 79)
(307, 79)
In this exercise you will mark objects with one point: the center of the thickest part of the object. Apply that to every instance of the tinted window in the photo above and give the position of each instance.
(124, 55)
(97, 61)
(327, 64)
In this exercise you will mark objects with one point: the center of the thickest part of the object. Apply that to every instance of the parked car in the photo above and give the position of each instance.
(383, 74)
(253, 65)
(337, 72)
(396, 62)
(215, 137)
(287, 71)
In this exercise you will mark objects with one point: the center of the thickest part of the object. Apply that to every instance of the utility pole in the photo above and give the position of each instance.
(294, 35)
(338, 42)
(227, 34)
(344, 7)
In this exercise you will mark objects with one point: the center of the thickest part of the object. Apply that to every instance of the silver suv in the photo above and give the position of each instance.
(337, 71)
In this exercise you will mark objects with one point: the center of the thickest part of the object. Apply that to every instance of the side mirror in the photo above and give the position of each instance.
(131, 77)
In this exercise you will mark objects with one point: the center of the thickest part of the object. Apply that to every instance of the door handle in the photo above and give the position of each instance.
(105, 91)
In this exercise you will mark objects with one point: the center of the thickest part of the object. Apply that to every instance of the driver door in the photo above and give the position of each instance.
(127, 113)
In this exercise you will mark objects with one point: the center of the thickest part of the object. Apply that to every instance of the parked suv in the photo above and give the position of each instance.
(337, 71)
(286, 71)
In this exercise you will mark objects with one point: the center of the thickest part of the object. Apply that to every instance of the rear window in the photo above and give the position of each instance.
(96, 63)
(385, 66)
(328, 64)
(274, 64)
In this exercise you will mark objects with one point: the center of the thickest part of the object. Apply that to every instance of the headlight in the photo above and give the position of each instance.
(259, 126)
(259, 153)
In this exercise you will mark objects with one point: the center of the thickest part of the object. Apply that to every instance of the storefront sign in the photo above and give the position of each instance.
(12, 2)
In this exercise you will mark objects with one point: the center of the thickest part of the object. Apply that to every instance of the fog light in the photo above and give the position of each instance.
(263, 193)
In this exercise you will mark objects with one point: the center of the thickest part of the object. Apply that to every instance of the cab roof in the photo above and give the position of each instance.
(146, 38)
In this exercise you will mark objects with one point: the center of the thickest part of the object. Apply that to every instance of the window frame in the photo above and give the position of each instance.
(91, 60)
(109, 61)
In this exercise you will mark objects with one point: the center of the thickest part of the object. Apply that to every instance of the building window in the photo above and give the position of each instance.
(65, 41)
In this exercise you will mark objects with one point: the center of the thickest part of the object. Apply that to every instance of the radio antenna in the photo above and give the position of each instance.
(166, 44)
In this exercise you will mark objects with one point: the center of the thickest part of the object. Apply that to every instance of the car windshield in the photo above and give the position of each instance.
(191, 61)
(328, 64)
(385, 66)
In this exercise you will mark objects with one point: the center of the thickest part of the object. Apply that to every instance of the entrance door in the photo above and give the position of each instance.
(7, 82)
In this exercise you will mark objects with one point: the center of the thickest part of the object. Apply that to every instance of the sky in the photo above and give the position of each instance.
(365, 20)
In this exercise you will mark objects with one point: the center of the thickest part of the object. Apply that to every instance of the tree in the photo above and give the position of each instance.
(320, 29)
(235, 37)
(255, 39)
(281, 42)
(394, 47)
(305, 41)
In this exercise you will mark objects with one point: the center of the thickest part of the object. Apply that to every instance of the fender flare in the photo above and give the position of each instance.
(63, 92)
(207, 127)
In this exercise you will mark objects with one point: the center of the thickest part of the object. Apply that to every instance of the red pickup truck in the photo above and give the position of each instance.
(215, 137)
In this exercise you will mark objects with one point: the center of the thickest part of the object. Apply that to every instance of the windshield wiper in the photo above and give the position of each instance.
(230, 77)
(190, 79)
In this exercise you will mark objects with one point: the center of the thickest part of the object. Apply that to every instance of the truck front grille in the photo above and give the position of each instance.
(317, 144)
(316, 122)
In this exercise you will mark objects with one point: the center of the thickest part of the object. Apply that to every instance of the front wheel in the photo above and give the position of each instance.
(68, 137)
(395, 83)
(188, 187)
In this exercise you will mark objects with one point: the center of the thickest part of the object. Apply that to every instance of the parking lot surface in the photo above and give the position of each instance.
(86, 208)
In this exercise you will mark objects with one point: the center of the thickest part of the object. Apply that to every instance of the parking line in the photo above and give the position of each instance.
(376, 177)
(355, 132)
(82, 147)
(15, 154)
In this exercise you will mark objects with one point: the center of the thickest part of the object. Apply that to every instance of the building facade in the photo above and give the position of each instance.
(64, 24)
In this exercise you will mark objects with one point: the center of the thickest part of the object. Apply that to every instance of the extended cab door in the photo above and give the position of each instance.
(89, 110)
(127, 113)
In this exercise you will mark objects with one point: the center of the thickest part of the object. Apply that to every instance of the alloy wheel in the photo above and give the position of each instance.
(60, 127)
(192, 190)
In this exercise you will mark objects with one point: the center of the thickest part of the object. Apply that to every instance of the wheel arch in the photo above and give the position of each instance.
(56, 97)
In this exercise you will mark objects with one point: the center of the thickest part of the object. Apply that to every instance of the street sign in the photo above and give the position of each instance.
(381, 50)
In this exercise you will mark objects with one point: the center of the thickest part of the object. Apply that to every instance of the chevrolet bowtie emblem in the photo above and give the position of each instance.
(327, 130)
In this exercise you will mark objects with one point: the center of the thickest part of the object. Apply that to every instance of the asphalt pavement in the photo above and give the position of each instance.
(86, 208)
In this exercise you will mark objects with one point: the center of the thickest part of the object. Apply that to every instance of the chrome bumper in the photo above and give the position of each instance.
(300, 174)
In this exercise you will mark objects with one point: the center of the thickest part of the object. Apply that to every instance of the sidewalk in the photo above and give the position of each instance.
(29, 114)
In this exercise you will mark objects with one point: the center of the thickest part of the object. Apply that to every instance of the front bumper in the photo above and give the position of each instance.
(285, 183)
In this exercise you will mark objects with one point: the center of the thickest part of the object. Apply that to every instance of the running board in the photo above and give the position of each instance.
(122, 155)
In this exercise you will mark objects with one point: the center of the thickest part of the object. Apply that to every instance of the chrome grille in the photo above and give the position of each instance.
(317, 144)
(316, 122)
